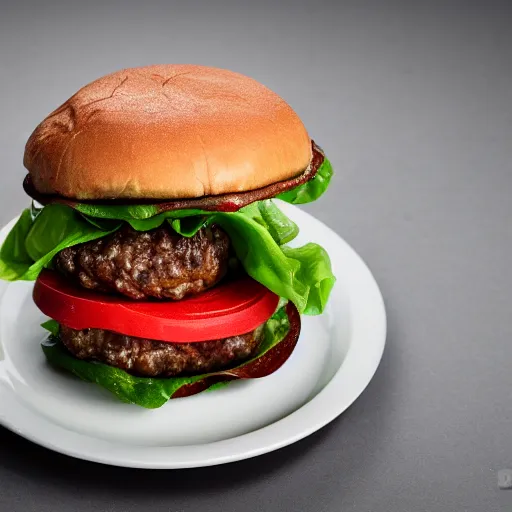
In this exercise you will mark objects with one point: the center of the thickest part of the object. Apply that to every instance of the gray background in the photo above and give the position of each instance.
(412, 102)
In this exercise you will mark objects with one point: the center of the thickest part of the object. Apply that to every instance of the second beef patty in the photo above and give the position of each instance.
(150, 358)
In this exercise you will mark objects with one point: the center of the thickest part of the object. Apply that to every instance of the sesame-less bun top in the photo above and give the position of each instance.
(167, 132)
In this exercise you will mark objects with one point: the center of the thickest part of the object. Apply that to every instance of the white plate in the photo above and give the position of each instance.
(335, 358)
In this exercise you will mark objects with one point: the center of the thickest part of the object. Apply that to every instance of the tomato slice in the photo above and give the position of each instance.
(231, 308)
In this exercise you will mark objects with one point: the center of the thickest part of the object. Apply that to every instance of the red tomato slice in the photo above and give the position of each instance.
(229, 309)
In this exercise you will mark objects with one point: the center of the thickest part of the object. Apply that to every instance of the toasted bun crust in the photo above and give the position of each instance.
(167, 132)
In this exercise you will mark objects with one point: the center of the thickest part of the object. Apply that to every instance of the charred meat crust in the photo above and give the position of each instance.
(150, 358)
(159, 263)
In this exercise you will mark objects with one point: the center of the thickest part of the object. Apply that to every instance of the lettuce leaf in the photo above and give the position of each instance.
(52, 326)
(189, 222)
(312, 189)
(32, 244)
(14, 257)
(313, 269)
(186, 226)
(146, 392)
(281, 228)
(131, 212)
(189, 226)
(56, 226)
(287, 274)
(258, 234)
(121, 212)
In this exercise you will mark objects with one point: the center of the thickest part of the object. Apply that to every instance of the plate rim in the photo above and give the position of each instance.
(304, 421)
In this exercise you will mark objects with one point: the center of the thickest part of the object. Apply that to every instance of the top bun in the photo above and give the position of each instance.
(167, 132)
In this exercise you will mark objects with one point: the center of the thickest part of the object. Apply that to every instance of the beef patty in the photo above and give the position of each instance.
(150, 358)
(140, 264)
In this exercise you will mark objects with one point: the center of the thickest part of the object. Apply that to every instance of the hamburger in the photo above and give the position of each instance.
(156, 248)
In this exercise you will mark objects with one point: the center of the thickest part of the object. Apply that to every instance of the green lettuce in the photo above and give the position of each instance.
(284, 273)
(122, 212)
(52, 326)
(131, 212)
(259, 234)
(280, 227)
(189, 222)
(14, 257)
(31, 244)
(147, 392)
(312, 189)
(313, 268)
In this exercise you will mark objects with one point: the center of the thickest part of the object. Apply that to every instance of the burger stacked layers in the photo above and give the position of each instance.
(157, 250)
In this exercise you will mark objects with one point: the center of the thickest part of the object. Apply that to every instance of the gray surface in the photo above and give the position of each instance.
(413, 104)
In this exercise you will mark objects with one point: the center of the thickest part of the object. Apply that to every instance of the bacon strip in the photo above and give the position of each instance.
(261, 367)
